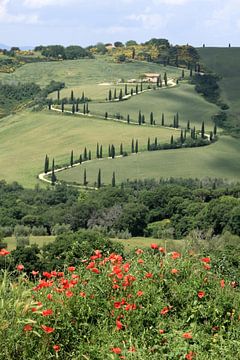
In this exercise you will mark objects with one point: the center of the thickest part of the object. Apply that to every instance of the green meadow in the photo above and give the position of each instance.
(221, 159)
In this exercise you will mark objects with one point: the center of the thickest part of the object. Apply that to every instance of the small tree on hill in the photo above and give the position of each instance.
(85, 157)
(155, 143)
(171, 141)
(80, 159)
(148, 144)
(73, 109)
(203, 130)
(85, 177)
(139, 118)
(121, 149)
(89, 155)
(58, 97)
(71, 158)
(84, 109)
(113, 179)
(99, 179)
(62, 106)
(110, 95)
(132, 145)
(165, 79)
(136, 147)
(72, 96)
(101, 152)
(53, 176)
(97, 151)
(151, 118)
(183, 74)
(115, 94)
(136, 89)
(128, 119)
(77, 105)
(215, 130)
(163, 119)
(46, 164)
(109, 151)
(188, 125)
(113, 151)
(120, 95)
(126, 90)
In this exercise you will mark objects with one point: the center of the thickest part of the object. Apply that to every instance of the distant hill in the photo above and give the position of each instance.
(3, 46)
(225, 62)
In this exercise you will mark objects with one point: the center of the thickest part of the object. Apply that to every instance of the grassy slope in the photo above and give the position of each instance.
(39, 240)
(141, 242)
(28, 136)
(221, 159)
(225, 62)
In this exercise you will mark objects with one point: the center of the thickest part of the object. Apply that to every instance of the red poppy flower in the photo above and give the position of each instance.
(69, 293)
(82, 294)
(47, 275)
(49, 296)
(27, 328)
(207, 266)
(47, 329)
(47, 312)
(119, 325)
(140, 261)
(190, 355)
(149, 275)
(154, 246)
(162, 250)
(201, 294)
(71, 268)
(139, 251)
(206, 260)
(4, 252)
(56, 348)
(175, 255)
(140, 293)
(165, 310)
(20, 267)
(132, 349)
(187, 335)
(222, 283)
(35, 273)
(95, 270)
(116, 350)
(174, 271)
(161, 331)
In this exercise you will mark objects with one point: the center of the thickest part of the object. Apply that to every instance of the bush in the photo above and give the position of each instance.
(21, 230)
(39, 231)
(59, 229)
(22, 241)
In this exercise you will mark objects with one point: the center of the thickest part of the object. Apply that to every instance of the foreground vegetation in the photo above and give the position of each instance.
(102, 304)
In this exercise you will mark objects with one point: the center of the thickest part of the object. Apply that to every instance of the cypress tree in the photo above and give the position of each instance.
(120, 95)
(181, 137)
(203, 130)
(185, 134)
(148, 144)
(191, 72)
(87, 110)
(99, 180)
(131, 91)
(211, 136)
(72, 96)
(113, 179)
(115, 94)
(85, 154)
(139, 118)
(177, 120)
(97, 152)
(83, 97)
(73, 109)
(188, 125)
(136, 147)
(121, 149)
(109, 151)
(155, 143)
(84, 109)
(136, 89)
(171, 142)
(89, 155)
(46, 164)
(58, 96)
(215, 130)
(160, 81)
(154, 123)
(183, 74)
(62, 106)
(165, 79)
(85, 177)
(132, 145)
(53, 176)
(106, 115)
(143, 119)
(151, 118)
(128, 118)
(141, 86)
(174, 121)
(80, 159)
(77, 105)
(110, 95)
(113, 151)
(163, 119)
(71, 159)
(49, 104)
(126, 89)
(101, 152)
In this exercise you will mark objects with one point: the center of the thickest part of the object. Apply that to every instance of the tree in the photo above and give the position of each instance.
(120, 95)
(62, 106)
(77, 106)
(148, 144)
(113, 151)
(53, 176)
(143, 119)
(136, 89)
(139, 118)
(141, 86)
(191, 72)
(131, 43)
(99, 180)
(132, 145)
(215, 130)
(188, 125)
(113, 179)
(163, 119)
(49, 104)
(110, 95)
(73, 109)
(183, 74)
(85, 177)
(165, 79)
(80, 159)
(101, 152)
(89, 155)
(151, 118)
(85, 157)
(72, 96)
(136, 147)
(97, 152)
(83, 97)
(46, 164)
(155, 142)
(84, 109)
(106, 115)
(171, 141)
(87, 109)
(71, 159)
(128, 119)
(181, 137)
(118, 44)
(203, 130)
(211, 136)
(58, 96)
(121, 149)
(115, 94)
(126, 90)
(177, 120)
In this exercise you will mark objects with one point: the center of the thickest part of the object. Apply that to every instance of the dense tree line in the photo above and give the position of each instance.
(60, 52)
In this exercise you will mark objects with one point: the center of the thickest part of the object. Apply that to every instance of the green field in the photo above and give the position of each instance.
(84, 72)
(142, 242)
(225, 62)
(221, 159)
(39, 240)
(27, 137)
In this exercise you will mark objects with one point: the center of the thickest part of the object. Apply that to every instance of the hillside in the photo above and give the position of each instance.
(225, 62)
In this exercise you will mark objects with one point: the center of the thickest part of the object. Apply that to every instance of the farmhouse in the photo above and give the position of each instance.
(151, 77)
